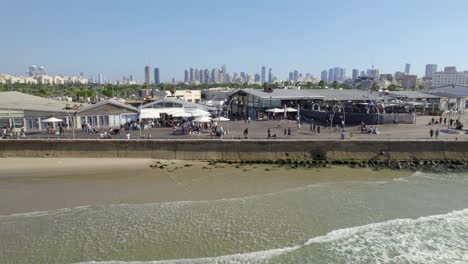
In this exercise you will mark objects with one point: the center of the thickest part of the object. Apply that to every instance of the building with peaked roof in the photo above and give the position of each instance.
(107, 114)
(25, 110)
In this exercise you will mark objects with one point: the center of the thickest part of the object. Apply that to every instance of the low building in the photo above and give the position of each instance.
(107, 114)
(423, 102)
(450, 76)
(27, 111)
(453, 97)
(409, 82)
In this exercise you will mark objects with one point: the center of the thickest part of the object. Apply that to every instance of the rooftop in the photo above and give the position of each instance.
(450, 91)
(412, 94)
(22, 101)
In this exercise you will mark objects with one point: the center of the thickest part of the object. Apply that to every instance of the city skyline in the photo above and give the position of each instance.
(113, 40)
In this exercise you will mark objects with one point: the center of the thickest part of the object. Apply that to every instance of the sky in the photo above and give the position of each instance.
(118, 38)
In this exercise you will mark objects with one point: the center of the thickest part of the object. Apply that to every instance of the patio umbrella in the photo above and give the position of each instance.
(199, 113)
(52, 120)
(290, 109)
(202, 119)
(274, 110)
(220, 119)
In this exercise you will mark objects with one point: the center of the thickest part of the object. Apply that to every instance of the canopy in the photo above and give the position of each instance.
(290, 109)
(149, 113)
(220, 119)
(274, 110)
(198, 113)
(181, 114)
(52, 120)
(202, 119)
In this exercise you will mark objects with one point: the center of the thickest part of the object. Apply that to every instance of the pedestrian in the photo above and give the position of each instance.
(285, 131)
(127, 135)
(432, 121)
(437, 133)
(451, 122)
(318, 130)
(269, 133)
(343, 134)
(289, 131)
(246, 132)
(431, 132)
(249, 120)
(445, 120)
(440, 120)
(313, 129)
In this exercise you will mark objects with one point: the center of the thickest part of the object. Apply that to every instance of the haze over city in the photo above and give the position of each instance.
(117, 38)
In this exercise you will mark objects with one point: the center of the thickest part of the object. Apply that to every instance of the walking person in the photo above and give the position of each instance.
(289, 131)
(440, 120)
(246, 133)
(437, 133)
(445, 120)
(431, 132)
(285, 132)
(269, 133)
(318, 130)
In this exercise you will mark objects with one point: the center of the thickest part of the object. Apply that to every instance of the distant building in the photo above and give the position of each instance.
(147, 75)
(331, 75)
(343, 74)
(192, 75)
(407, 68)
(449, 76)
(156, 76)
(336, 74)
(430, 70)
(193, 96)
(409, 81)
(186, 76)
(355, 74)
(374, 74)
(291, 76)
(100, 80)
(132, 78)
(257, 77)
(296, 75)
(270, 76)
(263, 77)
(324, 76)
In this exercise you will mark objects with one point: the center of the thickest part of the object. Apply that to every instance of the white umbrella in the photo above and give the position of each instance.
(149, 113)
(202, 119)
(274, 110)
(220, 119)
(52, 120)
(290, 109)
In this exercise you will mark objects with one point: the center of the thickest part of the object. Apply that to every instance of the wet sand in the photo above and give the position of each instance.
(35, 184)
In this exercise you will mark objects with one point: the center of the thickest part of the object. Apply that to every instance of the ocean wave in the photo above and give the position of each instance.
(429, 239)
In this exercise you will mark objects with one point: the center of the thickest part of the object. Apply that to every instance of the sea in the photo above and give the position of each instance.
(422, 218)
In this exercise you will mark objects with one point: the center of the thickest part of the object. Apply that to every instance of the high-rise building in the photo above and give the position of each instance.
(324, 76)
(337, 74)
(296, 75)
(343, 74)
(257, 77)
(147, 75)
(156, 76)
(291, 76)
(407, 68)
(132, 78)
(374, 73)
(224, 74)
(263, 77)
(355, 74)
(331, 75)
(192, 75)
(100, 80)
(430, 70)
(186, 76)
(270, 76)
(409, 81)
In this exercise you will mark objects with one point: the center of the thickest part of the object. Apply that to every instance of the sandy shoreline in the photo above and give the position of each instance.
(35, 184)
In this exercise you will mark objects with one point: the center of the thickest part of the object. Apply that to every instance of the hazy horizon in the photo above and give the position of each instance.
(118, 38)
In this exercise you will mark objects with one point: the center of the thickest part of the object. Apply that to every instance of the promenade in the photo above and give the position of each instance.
(258, 130)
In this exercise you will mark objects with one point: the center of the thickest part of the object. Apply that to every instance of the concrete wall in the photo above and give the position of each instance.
(236, 150)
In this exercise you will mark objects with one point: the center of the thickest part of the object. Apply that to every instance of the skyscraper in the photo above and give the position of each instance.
(337, 74)
(147, 75)
(263, 77)
(355, 74)
(296, 75)
(324, 76)
(257, 77)
(291, 76)
(100, 81)
(156, 76)
(132, 78)
(342, 74)
(192, 75)
(207, 76)
(224, 74)
(331, 75)
(407, 68)
(270, 76)
(430, 70)
(186, 76)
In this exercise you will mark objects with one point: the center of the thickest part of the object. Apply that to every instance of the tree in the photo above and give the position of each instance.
(393, 87)
(322, 84)
(335, 84)
(375, 87)
(347, 86)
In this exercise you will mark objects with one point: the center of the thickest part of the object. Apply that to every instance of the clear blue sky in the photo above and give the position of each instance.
(118, 38)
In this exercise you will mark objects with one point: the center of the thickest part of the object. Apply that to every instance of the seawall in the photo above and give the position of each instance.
(238, 150)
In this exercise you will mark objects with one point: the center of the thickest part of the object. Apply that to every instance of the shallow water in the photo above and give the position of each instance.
(418, 219)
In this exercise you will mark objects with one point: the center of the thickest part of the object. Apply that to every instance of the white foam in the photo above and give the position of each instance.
(429, 239)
